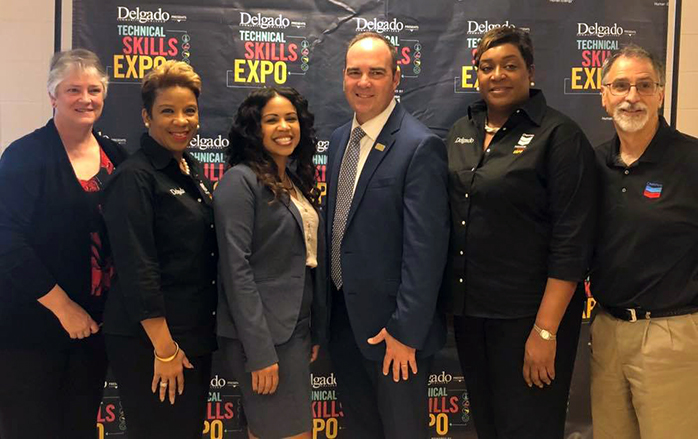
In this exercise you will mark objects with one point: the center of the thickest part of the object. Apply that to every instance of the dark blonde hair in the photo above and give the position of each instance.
(169, 74)
(506, 35)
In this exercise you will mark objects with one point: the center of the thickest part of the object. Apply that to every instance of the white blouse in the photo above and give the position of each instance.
(310, 225)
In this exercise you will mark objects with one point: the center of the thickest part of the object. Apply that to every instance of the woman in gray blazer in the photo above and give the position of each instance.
(272, 298)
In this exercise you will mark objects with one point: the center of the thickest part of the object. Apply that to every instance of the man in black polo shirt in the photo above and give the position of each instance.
(644, 372)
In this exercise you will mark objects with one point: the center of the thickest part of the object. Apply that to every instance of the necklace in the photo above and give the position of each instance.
(184, 166)
(287, 183)
(489, 129)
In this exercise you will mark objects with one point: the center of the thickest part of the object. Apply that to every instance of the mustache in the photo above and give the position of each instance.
(632, 106)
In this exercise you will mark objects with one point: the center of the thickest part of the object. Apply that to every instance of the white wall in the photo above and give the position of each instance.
(687, 118)
(26, 28)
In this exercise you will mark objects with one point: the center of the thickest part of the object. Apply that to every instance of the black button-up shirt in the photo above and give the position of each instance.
(160, 223)
(522, 210)
(647, 249)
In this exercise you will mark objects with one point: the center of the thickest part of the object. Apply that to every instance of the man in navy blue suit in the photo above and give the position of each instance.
(388, 226)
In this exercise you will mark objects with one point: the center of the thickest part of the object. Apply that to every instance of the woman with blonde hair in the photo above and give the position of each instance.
(160, 318)
(55, 264)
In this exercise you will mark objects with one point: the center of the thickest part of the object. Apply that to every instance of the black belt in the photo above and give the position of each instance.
(635, 314)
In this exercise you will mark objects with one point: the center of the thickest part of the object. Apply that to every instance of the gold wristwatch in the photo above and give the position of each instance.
(544, 334)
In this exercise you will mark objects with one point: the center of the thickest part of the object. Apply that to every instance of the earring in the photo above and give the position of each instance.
(532, 83)
(477, 88)
(198, 126)
(147, 125)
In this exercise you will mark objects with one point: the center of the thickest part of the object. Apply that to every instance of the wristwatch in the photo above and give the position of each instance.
(544, 334)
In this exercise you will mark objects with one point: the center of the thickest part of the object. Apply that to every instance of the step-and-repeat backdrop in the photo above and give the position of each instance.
(237, 46)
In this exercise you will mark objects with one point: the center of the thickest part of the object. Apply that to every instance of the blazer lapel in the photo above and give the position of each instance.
(296, 214)
(376, 156)
(291, 206)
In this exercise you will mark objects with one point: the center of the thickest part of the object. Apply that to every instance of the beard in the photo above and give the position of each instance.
(631, 123)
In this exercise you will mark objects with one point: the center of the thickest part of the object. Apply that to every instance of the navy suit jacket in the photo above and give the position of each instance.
(396, 238)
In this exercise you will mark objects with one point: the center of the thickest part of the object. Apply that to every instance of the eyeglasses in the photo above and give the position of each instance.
(622, 88)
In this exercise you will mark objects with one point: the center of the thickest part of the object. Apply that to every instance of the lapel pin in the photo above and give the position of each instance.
(380, 146)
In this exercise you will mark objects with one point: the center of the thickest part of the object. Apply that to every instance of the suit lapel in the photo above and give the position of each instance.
(376, 156)
(296, 214)
(291, 206)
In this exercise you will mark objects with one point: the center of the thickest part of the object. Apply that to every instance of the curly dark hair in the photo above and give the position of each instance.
(246, 143)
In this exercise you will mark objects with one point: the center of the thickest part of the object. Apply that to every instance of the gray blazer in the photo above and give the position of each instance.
(261, 268)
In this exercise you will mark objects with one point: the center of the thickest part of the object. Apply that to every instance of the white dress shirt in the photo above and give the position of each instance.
(372, 128)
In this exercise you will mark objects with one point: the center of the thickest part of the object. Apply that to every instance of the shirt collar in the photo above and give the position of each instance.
(653, 153)
(158, 155)
(534, 107)
(373, 127)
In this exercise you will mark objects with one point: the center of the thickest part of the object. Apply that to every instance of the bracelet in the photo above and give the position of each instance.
(544, 334)
(170, 358)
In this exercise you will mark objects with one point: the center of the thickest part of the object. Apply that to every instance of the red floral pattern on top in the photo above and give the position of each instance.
(102, 264)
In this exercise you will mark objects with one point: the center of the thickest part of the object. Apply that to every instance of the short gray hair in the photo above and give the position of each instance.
(63, 62)
(634, 51)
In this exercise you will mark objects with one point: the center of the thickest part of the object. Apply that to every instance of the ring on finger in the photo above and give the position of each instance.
(163, 384)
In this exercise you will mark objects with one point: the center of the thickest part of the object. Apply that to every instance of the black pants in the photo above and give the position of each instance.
(375, 406)
(52, 394)
(146, 417)
(491, 353)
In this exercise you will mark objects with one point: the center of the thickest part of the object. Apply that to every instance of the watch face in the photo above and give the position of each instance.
(545, 335)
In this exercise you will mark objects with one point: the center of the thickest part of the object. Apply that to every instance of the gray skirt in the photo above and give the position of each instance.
(286, 412)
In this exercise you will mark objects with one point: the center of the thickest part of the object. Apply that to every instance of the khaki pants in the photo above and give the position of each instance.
(644, 377)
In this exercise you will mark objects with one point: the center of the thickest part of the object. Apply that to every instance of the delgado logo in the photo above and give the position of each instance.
(262, 22)
(596, 30)
(218, 382)
(322, 145)
(323, 381)
(480, 28)
(463, 140)
(363, 25)
(205, 143)
(126, 14)
(442, 378)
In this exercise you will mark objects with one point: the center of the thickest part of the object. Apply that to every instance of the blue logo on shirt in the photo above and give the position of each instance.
(653, 190)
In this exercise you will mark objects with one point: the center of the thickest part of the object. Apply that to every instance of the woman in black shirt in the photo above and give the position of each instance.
(55, 264)
(521, 188)
(160, 319)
